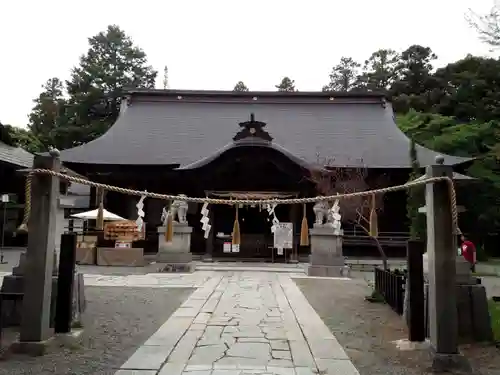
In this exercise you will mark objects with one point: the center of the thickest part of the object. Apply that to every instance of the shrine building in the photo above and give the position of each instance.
(251, 145)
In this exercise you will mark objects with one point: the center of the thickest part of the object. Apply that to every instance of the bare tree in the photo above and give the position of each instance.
(487, 25)
(332, 180)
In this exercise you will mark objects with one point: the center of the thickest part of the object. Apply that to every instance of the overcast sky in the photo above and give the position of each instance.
(213, 44)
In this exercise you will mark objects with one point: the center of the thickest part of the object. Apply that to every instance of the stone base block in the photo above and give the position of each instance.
(72, 340)
(166, 256)
(442, 363)
(34, 349)
(12, 310)
(85, 255)
(474, 324)
(328, 271)
(326, 259)
(177, 268)
(133, 257)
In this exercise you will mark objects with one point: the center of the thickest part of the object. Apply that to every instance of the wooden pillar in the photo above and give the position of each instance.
(296, 225)
(93, 198)
(65, 280)
(415, 290)
(35, 319)
(442, 250)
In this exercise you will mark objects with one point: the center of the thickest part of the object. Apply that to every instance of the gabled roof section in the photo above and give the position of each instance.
(181, 128)
(15, 156)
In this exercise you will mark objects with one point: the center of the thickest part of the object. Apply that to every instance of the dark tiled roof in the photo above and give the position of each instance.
(184, 127)
(15, 156)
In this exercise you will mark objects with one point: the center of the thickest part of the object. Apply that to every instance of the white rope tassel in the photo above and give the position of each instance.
(205, 220)
(275, 221)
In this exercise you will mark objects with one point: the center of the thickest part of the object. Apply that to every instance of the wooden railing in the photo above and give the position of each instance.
(389, 239)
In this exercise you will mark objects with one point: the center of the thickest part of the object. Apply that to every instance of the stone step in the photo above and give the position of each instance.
(238, 267)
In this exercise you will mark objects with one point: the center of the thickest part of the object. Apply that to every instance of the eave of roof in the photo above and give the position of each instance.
(459, 177)
(183, 127)
(220, 94)
(15, 156)
(249, 142)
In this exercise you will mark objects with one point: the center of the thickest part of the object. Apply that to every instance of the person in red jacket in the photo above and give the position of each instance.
(469, 252)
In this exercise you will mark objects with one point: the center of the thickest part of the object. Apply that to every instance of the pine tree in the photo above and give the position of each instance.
(112, 64)
(286, 84)
(165, 78)
(49, 113)
(380, 70)
(240, 86)
(344, 76)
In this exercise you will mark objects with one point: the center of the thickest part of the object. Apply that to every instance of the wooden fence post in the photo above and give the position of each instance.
(65, 281)
(415, 290)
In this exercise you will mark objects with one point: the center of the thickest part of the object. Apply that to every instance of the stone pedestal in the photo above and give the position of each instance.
(14, 283)
(472, 304)
(176, 255)
(122, 257)
(326, 253)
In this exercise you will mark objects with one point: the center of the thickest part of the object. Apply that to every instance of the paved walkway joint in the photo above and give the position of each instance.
(242, 323)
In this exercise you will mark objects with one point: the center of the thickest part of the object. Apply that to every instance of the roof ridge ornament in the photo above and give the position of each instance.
(252, 129)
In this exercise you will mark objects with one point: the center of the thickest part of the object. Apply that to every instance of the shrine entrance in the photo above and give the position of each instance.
(257, 240)
(251, 167)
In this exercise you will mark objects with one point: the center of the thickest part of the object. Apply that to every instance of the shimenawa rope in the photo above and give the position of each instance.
(117, 189)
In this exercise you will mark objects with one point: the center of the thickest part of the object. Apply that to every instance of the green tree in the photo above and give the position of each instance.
(415, 198)
(468, 89)
(344, 76)
(112, 64)
(415, 83)
(240, 86)
(424, 127)
(18, 137)
(380, 70)
(487, 25)
(286, 84)
(49, 112)
(5, 135)
(480, 140)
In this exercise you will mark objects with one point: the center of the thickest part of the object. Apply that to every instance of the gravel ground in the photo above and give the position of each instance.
(117, 322)
(367, 330)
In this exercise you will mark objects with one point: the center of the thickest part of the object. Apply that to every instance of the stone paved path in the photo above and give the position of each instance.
(242, 323)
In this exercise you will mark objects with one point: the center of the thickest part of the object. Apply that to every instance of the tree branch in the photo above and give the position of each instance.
(332, 180)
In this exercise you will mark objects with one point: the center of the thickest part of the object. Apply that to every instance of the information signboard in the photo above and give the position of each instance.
(283, 236)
